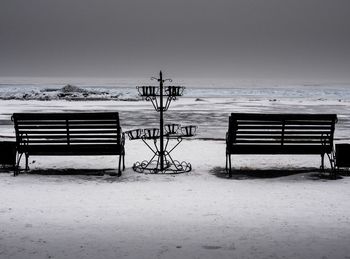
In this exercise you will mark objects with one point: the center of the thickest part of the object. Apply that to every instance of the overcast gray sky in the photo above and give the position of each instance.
(303, 39)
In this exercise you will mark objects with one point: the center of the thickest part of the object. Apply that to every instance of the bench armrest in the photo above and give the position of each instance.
(22, 140)
(228, 138)
(122, 140)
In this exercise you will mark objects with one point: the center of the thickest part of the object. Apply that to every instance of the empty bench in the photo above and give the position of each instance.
(283, 134)
(68, 134)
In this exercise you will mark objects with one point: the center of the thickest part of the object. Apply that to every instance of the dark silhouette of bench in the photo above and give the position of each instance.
(283, 134)
(68, 134)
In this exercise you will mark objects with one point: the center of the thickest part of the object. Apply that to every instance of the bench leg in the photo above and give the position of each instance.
(119, 166)
(16, 171)
(27, 158)
(123, 160)
(322, 162)
(228, 165)
(331, 158)
(334, 171)
(229, 159)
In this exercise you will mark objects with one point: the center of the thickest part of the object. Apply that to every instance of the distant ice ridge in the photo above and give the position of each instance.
(68, 92)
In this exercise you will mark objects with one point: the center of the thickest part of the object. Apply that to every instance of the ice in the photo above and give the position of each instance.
(202, 214)
(67, 92)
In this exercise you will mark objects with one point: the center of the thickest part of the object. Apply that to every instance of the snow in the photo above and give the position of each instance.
(67, 92)
(201, 214)
(274, 207)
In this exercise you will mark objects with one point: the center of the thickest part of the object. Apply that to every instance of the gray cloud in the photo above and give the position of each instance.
(192, 38)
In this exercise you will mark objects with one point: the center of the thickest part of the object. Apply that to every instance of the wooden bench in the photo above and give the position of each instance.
(284, 134)
(68, 134)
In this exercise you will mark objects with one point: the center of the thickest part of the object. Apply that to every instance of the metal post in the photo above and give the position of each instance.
(161, 124)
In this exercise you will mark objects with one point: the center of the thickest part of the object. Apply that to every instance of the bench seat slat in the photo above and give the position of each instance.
(311, 123)
(70, 127)
(78, 149)
(277, 141)
(292, 127)
(65, 116)
(59, 122)
(279, 150)
(319, 137)
(95, 136)
(279, 132)
(48, 141)
(285, 116)
(70, 131)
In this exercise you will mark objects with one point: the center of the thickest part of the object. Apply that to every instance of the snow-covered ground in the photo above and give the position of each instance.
(274, 207)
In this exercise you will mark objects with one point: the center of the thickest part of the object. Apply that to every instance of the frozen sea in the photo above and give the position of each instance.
(204, 105)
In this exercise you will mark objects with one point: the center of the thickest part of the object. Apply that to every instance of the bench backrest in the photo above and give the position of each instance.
(281, 129)
(67, 128)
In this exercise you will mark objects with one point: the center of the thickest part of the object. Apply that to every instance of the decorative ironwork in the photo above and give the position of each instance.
(189, 131)
(164, 140)
(171, 128)
(135, 134)
(153, 94)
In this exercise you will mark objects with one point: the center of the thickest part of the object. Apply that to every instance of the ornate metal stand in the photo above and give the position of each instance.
(158, 140)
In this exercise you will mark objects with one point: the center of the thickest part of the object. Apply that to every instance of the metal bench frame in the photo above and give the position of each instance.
(280, 134)
(68, 134)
